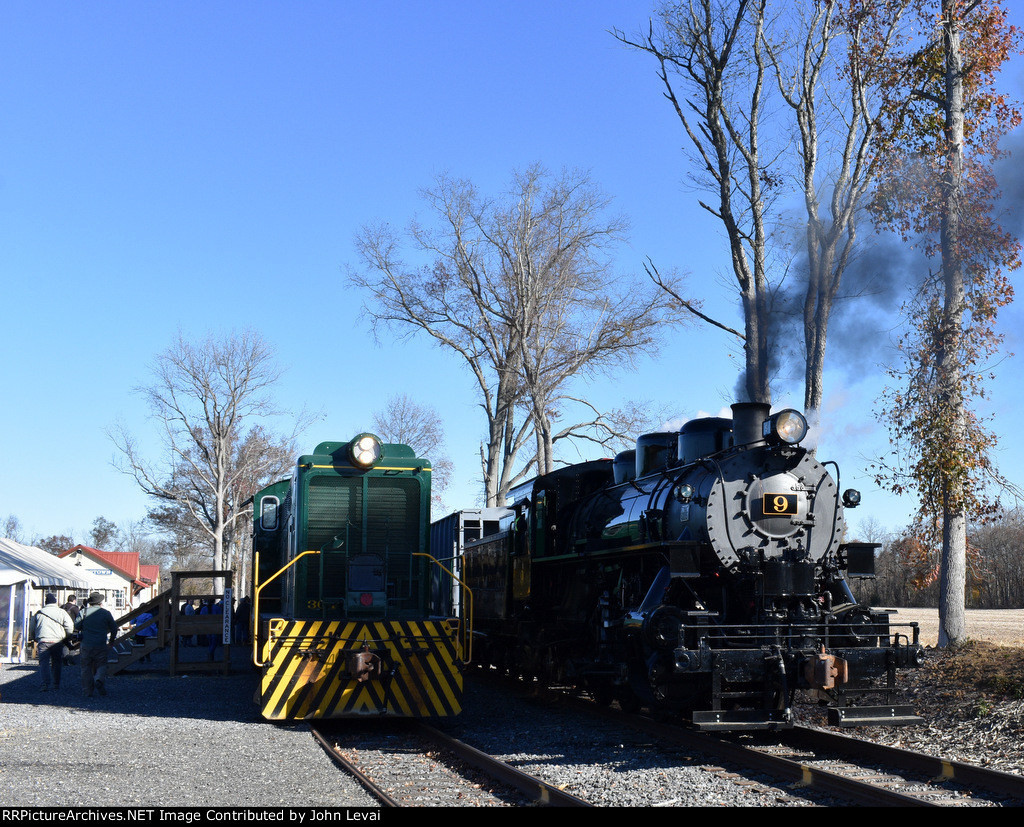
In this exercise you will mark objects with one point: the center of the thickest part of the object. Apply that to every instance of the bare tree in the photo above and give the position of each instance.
(420, 427)
(836, 101)
(729, 69)
(522, 289)
(571, 313)
(11, 529)
(207, 398)
(716, 48)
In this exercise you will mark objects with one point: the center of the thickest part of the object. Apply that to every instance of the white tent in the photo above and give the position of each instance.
(23, 568)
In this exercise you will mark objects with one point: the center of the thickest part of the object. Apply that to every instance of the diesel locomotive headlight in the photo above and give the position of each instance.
(786, 426)
(364, 450)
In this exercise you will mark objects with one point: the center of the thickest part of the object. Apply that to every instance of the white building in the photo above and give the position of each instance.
(27, 573)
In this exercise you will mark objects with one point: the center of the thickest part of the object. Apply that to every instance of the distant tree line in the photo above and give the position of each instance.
(907, 568)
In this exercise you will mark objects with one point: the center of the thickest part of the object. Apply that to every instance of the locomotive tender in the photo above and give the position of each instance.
(342, 619)
(703, 573)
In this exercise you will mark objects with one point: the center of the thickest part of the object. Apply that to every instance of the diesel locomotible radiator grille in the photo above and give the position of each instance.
(362, 516)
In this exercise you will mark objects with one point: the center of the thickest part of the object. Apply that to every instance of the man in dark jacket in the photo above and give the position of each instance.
(96, 624)
(71, 607)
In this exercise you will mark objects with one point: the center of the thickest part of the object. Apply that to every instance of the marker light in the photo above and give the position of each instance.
(683, 493)
(364, 450)
(787, 426)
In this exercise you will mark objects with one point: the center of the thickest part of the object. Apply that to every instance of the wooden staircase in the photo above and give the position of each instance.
(171, 626)
(125, 651)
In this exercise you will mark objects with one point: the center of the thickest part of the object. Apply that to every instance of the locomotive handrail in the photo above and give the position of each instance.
(256, 597)
(467, 627)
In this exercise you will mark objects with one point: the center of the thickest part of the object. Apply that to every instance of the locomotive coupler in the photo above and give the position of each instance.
(363, 666)
(824, 671)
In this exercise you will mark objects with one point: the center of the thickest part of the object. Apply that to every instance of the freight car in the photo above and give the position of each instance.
(704, 573)
(344, 622)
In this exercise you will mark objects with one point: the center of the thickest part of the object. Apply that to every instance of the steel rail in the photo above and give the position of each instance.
(367, 783)
(533, 788)
(786, 769)
(945, 769)
(798, 772)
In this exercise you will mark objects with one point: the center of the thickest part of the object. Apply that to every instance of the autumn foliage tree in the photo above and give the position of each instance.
(939, 192)
(780, 104)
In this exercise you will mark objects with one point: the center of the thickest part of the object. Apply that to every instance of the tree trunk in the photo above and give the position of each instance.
(952, 598)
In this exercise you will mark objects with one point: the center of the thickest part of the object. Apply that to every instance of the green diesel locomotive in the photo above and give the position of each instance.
(344, 622)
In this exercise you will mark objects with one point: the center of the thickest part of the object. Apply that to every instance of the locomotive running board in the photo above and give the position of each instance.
(710, 720)
(851, 716)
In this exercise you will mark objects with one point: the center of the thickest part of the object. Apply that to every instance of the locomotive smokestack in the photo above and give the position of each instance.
(747, 419)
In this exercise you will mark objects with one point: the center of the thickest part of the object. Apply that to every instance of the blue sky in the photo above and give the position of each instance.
(205, 167)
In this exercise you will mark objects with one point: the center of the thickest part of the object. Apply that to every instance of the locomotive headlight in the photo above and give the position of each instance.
(787, 426)
(683, 493)
(851, 498)
(364, 450)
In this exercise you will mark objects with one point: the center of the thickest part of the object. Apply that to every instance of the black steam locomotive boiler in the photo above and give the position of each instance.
(703, 573)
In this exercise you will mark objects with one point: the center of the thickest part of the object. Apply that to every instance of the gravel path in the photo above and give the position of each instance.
(154, 740)
(195, 741)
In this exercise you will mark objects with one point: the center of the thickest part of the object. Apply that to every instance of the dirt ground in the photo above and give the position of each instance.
(1005, 626)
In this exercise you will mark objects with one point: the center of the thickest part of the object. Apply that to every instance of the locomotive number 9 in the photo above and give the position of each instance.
(783, 505)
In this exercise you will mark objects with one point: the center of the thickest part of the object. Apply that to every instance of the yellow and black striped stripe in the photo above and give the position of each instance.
(306, 675)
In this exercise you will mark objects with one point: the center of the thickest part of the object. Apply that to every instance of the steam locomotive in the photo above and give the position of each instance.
(343, 624)
(703, 573)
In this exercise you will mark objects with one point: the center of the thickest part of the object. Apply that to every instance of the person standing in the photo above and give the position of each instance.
(189, 611)
(145, 628)
(214, 640)
(71, 607)
(96, 625)
(50, 626)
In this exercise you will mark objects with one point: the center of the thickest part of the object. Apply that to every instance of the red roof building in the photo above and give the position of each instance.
(126, 581)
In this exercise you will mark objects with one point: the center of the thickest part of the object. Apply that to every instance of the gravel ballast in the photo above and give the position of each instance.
(188, 741)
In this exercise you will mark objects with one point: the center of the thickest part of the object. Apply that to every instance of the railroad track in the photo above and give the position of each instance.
(949, 782)
(411, 764)
(847, 768)
(840, 766)
(852, 770)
